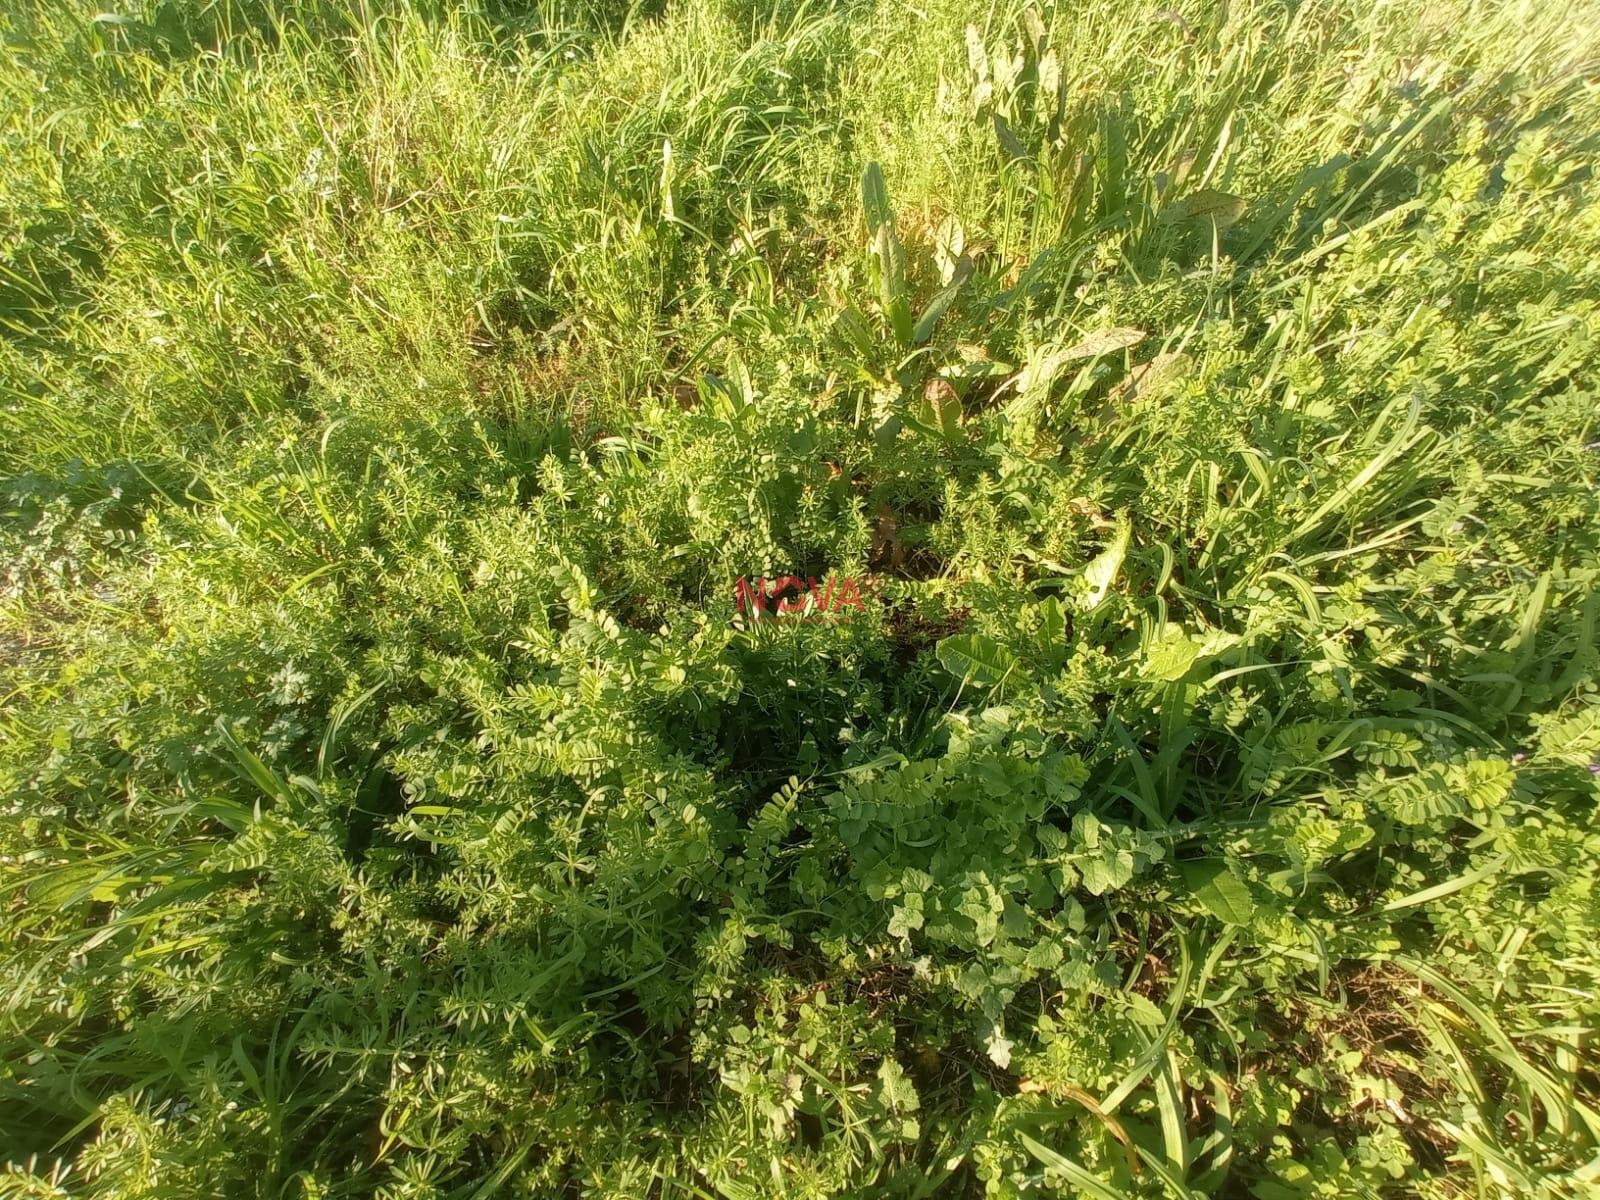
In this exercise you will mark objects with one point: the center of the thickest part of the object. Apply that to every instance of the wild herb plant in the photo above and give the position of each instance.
(1202, 801)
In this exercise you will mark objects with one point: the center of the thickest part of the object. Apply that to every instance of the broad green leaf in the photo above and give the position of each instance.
(852, 327)
(950, 251)
(1222, 207)
(887, 254)
(1013, 149)
(1052, 625)
(891, 258)
(1106, 872)
(875, 198)
(975, 658)
(1102, 572)
(941, 301)
(949, 409)
(897, 1092)
(905, 918)
(66, 886)
(1045, 956)
(939, 411)
(1218, 890)
(1143, 1010)
(1170, 658)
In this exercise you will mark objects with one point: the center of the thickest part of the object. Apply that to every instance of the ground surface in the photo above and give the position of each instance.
(1179, 779)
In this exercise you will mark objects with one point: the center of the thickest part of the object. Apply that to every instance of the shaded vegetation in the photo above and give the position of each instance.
(394, 803)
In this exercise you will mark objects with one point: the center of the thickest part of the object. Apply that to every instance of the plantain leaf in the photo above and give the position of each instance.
(887, 255)
(1010, 146)
(1052, 625)
(936, 309)
(1222, 207)
(875, 198)
(977, 659)
(939, 410)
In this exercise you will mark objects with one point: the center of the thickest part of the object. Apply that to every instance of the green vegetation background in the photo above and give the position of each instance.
(392, 805)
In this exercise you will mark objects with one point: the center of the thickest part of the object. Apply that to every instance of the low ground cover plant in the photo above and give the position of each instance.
(799, 599)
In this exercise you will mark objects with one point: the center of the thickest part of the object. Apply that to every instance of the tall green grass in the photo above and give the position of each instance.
(394, 803)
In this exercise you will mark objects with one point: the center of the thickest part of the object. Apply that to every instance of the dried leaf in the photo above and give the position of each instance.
(1103, 341)
(1154, 377)
(977, 56)
(888, 552)
(943, 408)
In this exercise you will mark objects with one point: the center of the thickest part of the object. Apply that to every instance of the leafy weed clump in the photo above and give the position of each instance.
(405, 795)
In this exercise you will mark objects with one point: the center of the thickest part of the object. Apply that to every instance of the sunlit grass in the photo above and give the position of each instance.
(394, 801)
